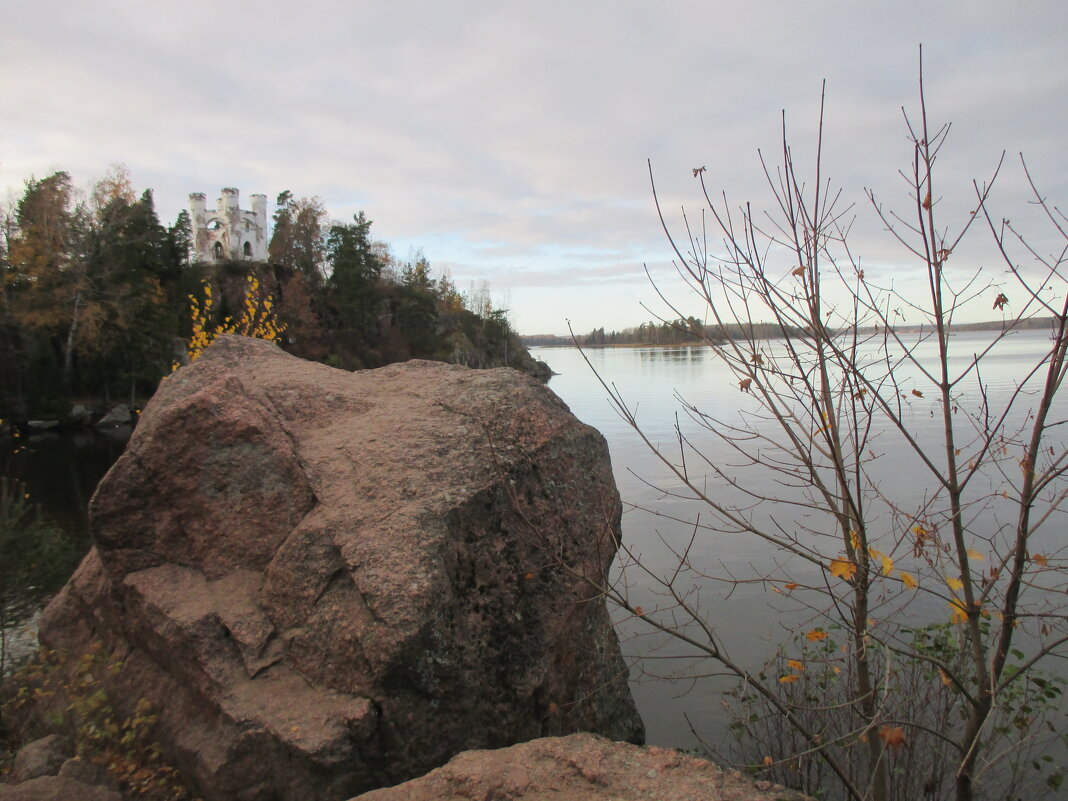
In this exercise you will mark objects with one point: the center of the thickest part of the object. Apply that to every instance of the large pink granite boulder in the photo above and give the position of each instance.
(329, 582)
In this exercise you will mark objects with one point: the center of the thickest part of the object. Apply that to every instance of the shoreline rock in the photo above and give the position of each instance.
(581, 767)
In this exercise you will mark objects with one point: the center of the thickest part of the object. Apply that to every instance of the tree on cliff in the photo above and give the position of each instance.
(297, 241)
(129, 267)
(39, 251)
(90, 293)
(44, 283)
(930, 617)
(354, 272)
(414, 307)
(180, 241)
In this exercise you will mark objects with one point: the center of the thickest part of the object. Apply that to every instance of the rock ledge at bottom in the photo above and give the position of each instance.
(581, 767)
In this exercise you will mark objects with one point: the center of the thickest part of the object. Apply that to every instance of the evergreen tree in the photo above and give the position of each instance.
(130, 265)
(180, 241)
(416, 275)
(415, 308)
(354, 272)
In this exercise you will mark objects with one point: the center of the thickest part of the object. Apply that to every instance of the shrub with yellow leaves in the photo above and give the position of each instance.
(258, 319)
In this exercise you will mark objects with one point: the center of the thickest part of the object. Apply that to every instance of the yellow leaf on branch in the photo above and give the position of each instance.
(908, 580)
(957, 611)
(843, 569)
(885, 561)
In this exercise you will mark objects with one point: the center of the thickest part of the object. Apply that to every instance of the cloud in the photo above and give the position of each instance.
(510, 142)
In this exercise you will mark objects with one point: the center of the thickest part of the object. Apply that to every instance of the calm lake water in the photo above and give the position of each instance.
(61, 472)
(749, 617)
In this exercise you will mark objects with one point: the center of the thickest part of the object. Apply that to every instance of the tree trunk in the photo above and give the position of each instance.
(68, 351)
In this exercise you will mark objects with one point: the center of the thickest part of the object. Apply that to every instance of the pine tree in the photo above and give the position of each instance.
(354, 274)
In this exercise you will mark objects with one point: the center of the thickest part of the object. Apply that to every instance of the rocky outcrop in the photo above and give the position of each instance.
(328, 582)
(42, 757)
(117, 415)
(581, 767)
(57, 788)
(47, 770)
(526, 363)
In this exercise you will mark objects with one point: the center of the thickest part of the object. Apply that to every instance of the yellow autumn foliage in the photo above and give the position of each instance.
(258, 319)
(842, 568)
(958, 613)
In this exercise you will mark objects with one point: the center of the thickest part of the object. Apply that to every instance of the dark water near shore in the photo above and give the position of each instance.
(62, 470)
(59, 471)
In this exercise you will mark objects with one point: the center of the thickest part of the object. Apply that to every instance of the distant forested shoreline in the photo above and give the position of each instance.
(692, 332)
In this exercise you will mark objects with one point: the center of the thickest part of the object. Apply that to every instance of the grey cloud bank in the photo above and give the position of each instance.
(511, 143)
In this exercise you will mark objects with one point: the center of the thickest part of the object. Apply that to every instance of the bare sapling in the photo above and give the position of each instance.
(927, 590)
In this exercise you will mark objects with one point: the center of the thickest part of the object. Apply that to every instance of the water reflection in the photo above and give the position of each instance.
(61, 471)
(693, 354)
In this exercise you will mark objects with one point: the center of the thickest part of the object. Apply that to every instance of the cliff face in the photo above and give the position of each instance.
(328, 582)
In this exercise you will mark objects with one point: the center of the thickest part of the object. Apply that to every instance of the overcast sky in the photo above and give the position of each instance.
(509, 141)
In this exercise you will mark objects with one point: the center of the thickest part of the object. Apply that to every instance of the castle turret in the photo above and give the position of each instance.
(259, 209)
(197, 204)
(228, 201)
